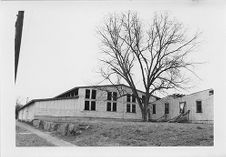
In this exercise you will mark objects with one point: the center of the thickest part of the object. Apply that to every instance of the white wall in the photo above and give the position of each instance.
(207, 106)
(75, 107)
(101, 105)
(27, 113)
(63, 107)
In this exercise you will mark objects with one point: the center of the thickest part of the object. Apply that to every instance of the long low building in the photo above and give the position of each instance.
(117, 102)
(198, 106)
(106, 101)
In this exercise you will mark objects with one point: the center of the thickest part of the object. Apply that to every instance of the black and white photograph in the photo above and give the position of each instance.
(143, 77)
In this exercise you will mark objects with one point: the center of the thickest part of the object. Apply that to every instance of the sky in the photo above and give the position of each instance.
(60, 47)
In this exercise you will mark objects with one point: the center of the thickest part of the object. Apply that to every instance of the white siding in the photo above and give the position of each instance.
(75, 107)
(207, 106)
(27, 113)
(64, 107)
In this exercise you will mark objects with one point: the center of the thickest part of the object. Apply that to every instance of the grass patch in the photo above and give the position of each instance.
(115, 133)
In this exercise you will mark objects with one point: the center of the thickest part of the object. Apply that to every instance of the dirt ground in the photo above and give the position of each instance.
(26, 138)
(112, 133)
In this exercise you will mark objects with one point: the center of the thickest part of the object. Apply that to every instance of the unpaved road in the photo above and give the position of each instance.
(25, 138)
(29, 136)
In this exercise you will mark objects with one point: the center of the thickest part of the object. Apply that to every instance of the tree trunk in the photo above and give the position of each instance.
(144, 113)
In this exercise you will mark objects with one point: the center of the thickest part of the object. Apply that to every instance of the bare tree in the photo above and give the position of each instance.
(155, 54)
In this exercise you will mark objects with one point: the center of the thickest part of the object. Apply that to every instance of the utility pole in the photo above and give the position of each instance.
(18, 36)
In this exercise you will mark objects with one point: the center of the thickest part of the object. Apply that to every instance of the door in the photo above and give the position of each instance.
(182, 107)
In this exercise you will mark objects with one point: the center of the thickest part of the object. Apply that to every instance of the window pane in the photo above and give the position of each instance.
(76, 92)
(134, 108)
(154, 109)
(211, 92)
(166, 108)
(86, 105)
(128, 97)
(128, 108)
(114, 96)
(94, 94)
(108, 106)
(109, 96)
(133, 98)
(114, 106)
(87, 93)
(93, 105)
(199, 106)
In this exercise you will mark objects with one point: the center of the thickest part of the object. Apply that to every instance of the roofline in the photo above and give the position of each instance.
(200, 91)
(45, 99)
(96, 86)
(185, 95)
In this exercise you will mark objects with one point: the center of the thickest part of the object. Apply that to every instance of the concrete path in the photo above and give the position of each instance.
(53, 140)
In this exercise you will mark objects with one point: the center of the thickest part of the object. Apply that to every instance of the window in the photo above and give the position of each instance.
(154, 109)
(128, 97)
(86, 105)
(128, 108)
(134, 108)
(76, 92)
(211, 92)
(133, 98)
(166, 108)
(114, 96)
(87, 93)
(114, 106)
(131, 106)
(93, 94)
(93, 105)
(109, 96)
(108, 106)
(112, 101)
(90, 105)
(198, 106)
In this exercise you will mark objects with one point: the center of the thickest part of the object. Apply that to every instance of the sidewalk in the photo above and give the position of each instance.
(53, 140)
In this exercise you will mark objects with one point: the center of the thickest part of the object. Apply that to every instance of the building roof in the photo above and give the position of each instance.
(98, 86)
(171, 96)
(201, 91)
(45, 99)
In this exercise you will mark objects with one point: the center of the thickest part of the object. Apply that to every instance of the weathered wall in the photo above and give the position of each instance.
(101, 105)
(207, 106)
(27, 113)
(64, 107)
(75, 107)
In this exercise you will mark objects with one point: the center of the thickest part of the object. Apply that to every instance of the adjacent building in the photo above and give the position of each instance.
(199, 107)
